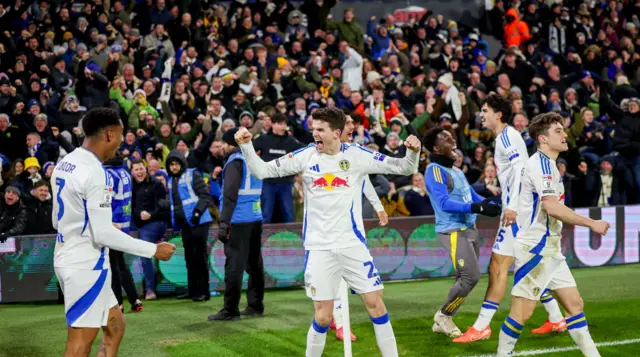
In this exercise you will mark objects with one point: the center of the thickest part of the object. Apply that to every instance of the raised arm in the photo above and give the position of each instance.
(378, 163)
(287, 165)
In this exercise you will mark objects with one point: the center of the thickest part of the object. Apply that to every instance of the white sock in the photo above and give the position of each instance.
(316, 338)
(551, 305)
(509, 334)
(337, 312)
(579, 331)
(487, 311)
(384, 335)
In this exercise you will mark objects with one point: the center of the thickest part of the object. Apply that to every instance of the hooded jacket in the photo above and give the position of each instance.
(516, 32)
(199, 187)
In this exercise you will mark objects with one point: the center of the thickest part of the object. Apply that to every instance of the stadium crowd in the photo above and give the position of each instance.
(183, 73)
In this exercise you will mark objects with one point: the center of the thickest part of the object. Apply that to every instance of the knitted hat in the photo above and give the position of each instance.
(47, 165)
(446, 79)
(15, 188)
(229, 137)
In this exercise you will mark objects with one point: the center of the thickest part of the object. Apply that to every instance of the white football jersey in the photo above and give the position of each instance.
(333, 188)
(510, 157)
(82, 193)
(540, 232)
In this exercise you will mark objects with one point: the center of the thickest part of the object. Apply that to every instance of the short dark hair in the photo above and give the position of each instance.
(431, 138)
(333, 116)
(98, 119)
(541, 124)
(278, 117)
(40, 184)
(137, 161)
(499, 105)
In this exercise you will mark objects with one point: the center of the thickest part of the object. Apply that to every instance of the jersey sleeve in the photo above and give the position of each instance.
(518, 157)
(541, 176)
(98, 195)
(371, 195)
(436, 181)
(377, 163)
(287, 165)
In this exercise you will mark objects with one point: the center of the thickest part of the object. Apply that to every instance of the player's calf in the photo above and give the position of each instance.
(498, 271)
(112, 334)
(79, 341)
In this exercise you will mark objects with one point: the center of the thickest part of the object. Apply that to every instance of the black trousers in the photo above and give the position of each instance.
(121, 278)
(244, 252)
(194, 241)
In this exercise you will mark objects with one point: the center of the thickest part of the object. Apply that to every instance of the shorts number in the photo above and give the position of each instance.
(60, 183)
(371, 273)
(501, 233)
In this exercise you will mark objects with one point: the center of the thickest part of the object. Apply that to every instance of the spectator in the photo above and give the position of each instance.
(416, 199)
(516, 31)
(13, 215)
(271, 146)
(150, 216)
(38, 208)
(189, 213)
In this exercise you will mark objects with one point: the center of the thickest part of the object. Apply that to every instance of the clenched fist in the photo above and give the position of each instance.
(413, 143)
(243, 136)
(164, 251)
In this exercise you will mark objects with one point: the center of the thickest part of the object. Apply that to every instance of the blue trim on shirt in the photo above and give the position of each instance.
(440, 193)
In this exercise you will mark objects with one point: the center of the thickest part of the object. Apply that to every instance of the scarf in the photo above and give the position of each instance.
(605, 192)
(452, 98)
(34, 150)
(377, 112)
(325, 91)
(557, 39)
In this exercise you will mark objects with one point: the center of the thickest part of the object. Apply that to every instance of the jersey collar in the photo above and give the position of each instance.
(545, 156)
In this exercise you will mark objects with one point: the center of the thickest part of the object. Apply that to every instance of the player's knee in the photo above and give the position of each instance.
(470, 280)
(323, 318)
(375, 305)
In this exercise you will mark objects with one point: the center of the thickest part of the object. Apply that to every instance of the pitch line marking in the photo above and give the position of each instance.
(565, 349)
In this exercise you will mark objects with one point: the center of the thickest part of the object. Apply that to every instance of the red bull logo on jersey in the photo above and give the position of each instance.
(330, 181)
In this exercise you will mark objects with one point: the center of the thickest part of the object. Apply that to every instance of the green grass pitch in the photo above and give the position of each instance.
(172, 328)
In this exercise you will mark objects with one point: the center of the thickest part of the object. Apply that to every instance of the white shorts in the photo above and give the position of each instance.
(535, 273)
(503, 244)
(325, 268)
(87, 296)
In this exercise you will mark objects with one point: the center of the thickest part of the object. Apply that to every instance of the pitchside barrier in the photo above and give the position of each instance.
(406, 249)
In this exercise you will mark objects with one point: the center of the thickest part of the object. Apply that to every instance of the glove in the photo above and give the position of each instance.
(488, 207)
(196, 218)
(3, 237)
(223, 232)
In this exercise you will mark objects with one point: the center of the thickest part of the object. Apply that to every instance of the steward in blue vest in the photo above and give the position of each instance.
(455, 204)
(121, 208)
(190, 201)
(241, 232)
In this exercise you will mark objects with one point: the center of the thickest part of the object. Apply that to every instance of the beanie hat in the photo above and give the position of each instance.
(47, 165)
(14, 187)
(229, 137)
